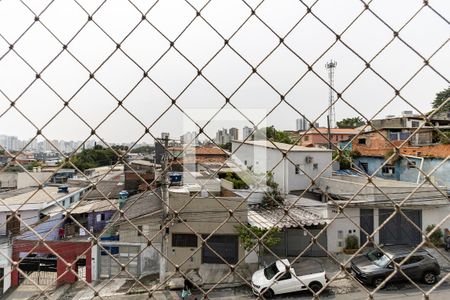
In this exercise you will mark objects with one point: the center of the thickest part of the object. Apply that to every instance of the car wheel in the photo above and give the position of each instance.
(315, 286)
(429, 278)
(268, 294)
(377, 282)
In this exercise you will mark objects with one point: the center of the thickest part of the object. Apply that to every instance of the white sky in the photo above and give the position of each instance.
(199, 43)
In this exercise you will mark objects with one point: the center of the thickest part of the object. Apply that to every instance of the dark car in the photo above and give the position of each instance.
(374, 266)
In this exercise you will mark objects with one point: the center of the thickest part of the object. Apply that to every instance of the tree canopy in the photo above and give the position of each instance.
(350, 122)
(440, 98)
(143, 149)
(93, 158)
(270, 133)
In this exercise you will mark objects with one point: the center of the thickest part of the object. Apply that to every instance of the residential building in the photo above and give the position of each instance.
(368, 205)
(320, 137)
(209, 218)
(246, 132)
(423, 150)
(189, 158)
(93, 215)
(189, 138)
(301, 124)
(234, 133)
(138, 174)
(222, 137)
(30, 205)
(292, 166)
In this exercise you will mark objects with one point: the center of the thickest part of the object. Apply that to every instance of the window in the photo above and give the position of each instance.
(411, 164)
(297, 169)
(388, 170)
(140, 230)
(71, 200)
(340, 234)
(184, 240)
(315, 166)
(413, 260)
(362, 141)
(306, 138)
(245, 162)
(414, 123)
(286, 275)
(365, 166)
(100, 217)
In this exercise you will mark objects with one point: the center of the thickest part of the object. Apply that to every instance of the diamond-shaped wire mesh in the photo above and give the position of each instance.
(127, 209)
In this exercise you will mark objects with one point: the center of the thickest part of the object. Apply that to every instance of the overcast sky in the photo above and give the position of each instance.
(123, 77)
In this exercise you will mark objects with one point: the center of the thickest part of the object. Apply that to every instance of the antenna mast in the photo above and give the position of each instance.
(331, 112)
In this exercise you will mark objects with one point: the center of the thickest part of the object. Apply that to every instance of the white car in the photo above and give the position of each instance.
(281, 277)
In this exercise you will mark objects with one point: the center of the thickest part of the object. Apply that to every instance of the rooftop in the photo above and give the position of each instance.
(95, 206)
(283, 147)
(35, 195)
(324, 131)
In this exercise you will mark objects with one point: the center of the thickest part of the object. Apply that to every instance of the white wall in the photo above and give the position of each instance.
(262, 159)
(5, 250)
(342, 223)
(436, 215)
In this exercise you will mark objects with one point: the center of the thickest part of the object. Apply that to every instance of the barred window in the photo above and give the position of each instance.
(184, 240)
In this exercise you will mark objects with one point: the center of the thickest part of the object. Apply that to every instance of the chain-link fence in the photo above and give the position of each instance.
(346, 207)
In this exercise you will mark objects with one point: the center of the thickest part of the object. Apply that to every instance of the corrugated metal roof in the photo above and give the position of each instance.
(268, 218)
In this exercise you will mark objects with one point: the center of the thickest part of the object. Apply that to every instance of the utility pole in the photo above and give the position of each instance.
(165, 204)
(331, 65)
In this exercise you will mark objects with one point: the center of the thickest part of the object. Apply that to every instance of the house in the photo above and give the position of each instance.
(92, 215)
(292, 166)
(209, 218)
(423, 150)
(30, 204)
(190, 157)
(370, 204)
(142, 211)
(320, 137)
(306, 218)
(139, 173)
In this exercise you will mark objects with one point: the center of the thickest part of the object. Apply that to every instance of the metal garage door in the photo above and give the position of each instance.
(225, 245)
(294, 241)
(398, 230)
(366, 222)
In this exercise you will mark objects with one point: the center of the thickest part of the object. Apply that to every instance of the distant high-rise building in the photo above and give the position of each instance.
(302, 124)
(164, 135)
(189, 138)
(246, 132)
(234, 134)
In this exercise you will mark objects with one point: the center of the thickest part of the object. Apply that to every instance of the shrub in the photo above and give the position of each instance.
(351, 242)
(436, 236)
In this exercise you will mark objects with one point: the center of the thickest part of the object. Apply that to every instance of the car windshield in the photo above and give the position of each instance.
(374, 255)
(382, 261)
(271, 271)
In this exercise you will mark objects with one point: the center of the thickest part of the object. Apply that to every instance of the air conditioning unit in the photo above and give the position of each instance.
(309, 159)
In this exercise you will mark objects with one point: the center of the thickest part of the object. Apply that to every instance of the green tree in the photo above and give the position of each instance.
(250, 235)
(272, 197)
(238, 183)
(350, 122)
(226, 146)
(143, 149)
(270, 133)
(93, 158)
(441, 97)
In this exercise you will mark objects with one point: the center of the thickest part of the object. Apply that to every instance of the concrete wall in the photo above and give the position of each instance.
(341, 223)
(8, 180)
(204, 216)
(149, 258)
(96, 225)
(25, 179)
